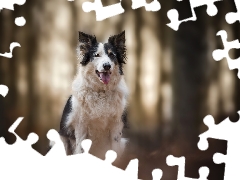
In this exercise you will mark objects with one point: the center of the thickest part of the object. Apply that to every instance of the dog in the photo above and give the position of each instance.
(97, 106)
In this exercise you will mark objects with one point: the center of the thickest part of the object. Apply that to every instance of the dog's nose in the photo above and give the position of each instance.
(106, 66)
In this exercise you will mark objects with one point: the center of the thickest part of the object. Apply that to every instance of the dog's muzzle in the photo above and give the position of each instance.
(104, 76)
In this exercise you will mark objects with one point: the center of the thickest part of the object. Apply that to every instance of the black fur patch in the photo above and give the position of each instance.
(66, 111)
(116, 44)
(88, 46)
(111, 51)
(125, 119)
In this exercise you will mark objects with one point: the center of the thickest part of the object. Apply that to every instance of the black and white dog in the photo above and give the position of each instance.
(99, 97)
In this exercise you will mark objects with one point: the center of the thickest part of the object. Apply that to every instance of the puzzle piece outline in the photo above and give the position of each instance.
(24, 148)
(220, 54)
(4, 90)
(9, 4)
(12, 46)
(31, 139)
(104, 12)
(232, 17)
(173, 14)
(216, 131)
(180, 162)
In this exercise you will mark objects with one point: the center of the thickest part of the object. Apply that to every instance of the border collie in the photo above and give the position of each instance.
(96, 108)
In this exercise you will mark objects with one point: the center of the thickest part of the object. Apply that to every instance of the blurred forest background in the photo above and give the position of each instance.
(174, 82)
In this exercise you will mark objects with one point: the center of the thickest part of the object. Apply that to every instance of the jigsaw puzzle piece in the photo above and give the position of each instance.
(203, 143)
(232, 135)
(173, 14)
(9, 46)
(211, 7)
(203, 172)
(32, 138)
(20, 21)
(219, 158)
(180, 162)
(12, 46)
(4, 148)
(219, 54)
(110, 156)
(232, 17)
(216, 131)
(9, 4)
(24, 148)
(3, 90)
(86, 145)
(157, 174)
(230, 160)
(57, 150)
(153, 6)
(132, 169)
(103, 12)
(14, 126)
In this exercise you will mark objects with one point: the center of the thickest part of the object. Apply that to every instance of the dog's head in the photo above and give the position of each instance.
(103, 61)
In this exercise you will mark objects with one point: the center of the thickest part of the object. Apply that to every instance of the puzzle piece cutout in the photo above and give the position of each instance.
(100, 168)
(57, 150)
(116, 9)
(153, 6)
(173, 14)
(3, 90)
(103, 12)
(157, 174)
(22, 146)
(232, 17)
(96, 163)
(12, 46)
(180, 162)
(219, 54)
(229, 131)
(9, 4)
(56, 164)
(20, 21)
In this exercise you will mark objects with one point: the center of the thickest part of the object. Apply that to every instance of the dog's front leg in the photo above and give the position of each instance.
(116, 138)
(80, 134)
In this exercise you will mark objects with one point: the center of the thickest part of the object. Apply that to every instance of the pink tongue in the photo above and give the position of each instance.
(105, 77)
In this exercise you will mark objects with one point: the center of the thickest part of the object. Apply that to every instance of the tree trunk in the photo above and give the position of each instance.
(190, 64)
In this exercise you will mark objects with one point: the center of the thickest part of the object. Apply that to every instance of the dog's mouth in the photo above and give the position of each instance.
(104, 76)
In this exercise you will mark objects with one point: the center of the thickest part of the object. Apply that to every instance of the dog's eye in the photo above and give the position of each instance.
(96, 55)
(111, 55)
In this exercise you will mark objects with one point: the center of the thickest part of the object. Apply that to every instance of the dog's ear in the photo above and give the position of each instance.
(117, 40)
(86, 42)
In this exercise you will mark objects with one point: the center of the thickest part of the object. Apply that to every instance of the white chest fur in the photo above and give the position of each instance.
(96, 114)
(92, 103)
(101, 105)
